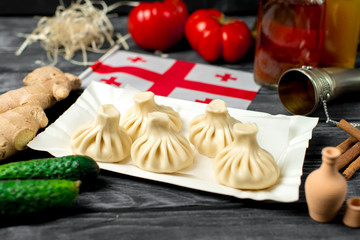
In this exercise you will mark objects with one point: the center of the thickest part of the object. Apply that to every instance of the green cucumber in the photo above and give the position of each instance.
(33, 196)
(69, 167)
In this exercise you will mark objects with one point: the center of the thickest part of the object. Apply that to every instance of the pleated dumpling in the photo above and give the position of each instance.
(103, 139)
(161, 149)
(244, 164)
(136, 118)
(212, 131)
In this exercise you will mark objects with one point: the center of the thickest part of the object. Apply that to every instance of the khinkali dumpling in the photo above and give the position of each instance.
(244, 164)
(136, 118)
(103, 139)
(212, 131)
(161, 149)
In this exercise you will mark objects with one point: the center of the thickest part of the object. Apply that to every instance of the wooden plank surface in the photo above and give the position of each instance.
(123, 207)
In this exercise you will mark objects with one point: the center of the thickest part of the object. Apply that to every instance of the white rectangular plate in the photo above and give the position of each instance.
(285, 137)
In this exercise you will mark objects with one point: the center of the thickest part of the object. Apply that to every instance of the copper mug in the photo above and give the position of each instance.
(302, 90)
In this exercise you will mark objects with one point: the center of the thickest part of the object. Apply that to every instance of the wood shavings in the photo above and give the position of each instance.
(80, 27)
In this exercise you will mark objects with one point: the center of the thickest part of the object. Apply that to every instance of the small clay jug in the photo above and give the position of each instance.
(352, 212)
(325, 188)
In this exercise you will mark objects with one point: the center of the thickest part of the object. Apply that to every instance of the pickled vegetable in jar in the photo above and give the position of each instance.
(289, 34)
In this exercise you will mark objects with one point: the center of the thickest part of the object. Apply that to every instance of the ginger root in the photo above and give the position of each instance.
(22, 110)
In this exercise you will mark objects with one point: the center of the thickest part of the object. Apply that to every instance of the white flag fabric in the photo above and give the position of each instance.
(174, 78)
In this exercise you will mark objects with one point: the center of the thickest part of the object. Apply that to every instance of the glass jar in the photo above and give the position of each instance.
(342, 25)
(289, 34)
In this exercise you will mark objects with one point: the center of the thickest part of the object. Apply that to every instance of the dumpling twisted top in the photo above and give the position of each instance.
(161, 149)
(103, 139)
(244, 164)
(212, 131)
(136, 118)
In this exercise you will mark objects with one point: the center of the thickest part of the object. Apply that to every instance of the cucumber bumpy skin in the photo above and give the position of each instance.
(69, 167)
(21, 197)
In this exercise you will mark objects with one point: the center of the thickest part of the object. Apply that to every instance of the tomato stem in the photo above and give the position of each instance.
(223, 20)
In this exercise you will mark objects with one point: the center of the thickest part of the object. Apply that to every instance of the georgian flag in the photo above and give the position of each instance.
(173, 78)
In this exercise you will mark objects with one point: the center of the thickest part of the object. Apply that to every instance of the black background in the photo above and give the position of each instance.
(48, 7)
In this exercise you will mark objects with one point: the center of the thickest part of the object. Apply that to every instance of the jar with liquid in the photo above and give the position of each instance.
(342, 25)
(289, 34)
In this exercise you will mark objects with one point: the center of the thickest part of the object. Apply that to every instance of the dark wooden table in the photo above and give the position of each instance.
(122, 207)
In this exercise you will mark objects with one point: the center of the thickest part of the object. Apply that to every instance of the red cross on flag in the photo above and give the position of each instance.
(173, 78)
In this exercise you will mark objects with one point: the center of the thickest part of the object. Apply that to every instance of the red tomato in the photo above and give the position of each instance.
(158, 25)
(212, 36)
